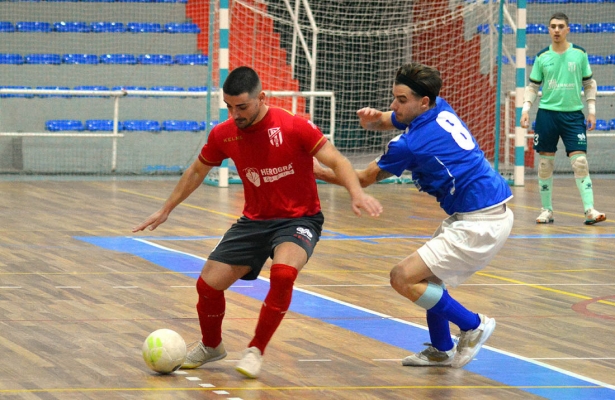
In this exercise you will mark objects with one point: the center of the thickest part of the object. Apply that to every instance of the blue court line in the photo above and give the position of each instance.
(508, 369)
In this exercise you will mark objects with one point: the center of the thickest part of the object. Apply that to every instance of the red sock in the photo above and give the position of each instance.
(276, 303)
(210, 308)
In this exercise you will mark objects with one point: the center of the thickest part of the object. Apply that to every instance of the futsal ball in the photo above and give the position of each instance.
(164, 351)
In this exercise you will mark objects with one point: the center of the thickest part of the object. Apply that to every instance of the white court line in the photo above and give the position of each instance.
(534, 284)
(68, 287)
(346, 304)
(575, 358)
(125, 287)
(10, 287)
(315, 360)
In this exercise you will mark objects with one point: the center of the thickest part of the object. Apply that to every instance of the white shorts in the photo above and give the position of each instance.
(466, 242)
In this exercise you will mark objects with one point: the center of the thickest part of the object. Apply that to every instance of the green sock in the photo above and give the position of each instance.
(545, 186)
(587, 192)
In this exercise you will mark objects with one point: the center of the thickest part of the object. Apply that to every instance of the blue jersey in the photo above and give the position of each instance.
(445, 161)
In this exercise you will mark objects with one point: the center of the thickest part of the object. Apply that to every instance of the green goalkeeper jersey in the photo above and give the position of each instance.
(561, 77)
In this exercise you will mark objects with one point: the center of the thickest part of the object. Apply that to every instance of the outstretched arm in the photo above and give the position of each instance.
(366, 176)
(344, 175)
(190, 180)
(375, 120)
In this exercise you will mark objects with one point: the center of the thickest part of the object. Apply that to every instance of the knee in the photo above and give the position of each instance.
(580, 166)
(402, 282)
(206, 291)
(282, 276)
(545, 167)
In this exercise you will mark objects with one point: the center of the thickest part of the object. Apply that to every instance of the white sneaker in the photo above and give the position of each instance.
(430, 357)
(202, 354)
(250, 363)
(471, 341)
(592, 216)
(545, 217)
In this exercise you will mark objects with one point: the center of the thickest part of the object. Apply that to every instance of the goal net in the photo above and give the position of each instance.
(165, 54)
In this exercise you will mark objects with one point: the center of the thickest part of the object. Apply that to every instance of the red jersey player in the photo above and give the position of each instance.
(272, 150)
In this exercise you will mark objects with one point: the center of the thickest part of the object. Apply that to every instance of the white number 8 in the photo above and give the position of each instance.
(450, 123)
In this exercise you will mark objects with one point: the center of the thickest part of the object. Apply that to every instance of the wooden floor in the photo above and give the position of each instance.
(77, 301)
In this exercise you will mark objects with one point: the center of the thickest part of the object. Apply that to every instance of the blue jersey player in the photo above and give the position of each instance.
(447, 163)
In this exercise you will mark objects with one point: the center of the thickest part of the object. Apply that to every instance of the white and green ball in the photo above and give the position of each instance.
(164, 351)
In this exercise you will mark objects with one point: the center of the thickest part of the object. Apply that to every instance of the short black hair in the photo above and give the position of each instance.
(559, 15)
(242, 80)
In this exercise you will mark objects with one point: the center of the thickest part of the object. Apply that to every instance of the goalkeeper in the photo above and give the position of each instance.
(447, 163)
(564, 68)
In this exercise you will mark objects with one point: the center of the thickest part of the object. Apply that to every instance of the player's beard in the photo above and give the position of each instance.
(243, 123)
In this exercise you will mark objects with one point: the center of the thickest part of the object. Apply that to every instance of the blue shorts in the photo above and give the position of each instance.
(251, 242)
(551, 125)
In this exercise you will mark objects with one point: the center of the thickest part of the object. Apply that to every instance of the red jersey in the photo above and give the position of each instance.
(274, 161)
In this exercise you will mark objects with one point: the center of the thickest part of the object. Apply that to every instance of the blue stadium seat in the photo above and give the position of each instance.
(11, 58)
(97, 88)
(134, 1)
(180, 125)
(80, 59)
(529, 60)
(610, 59)
(118, 59)
(50, 59)
(485, 28)
(606, 88)
(107, 27)
(16, 95)
(168, 89)
(596, 59)
(608, 27)
(98, 1)
(612, 124)
(6, 26)
(55, 125)
(96, 125)
(191, 59)
(506, 60)
(536, 29)
(577, 28)
(197, 89)
(598, 27)
(128, 88)
(175, 27)
(27, 26)
(602, 125)
(54, 88)
(155, 59)
(143, 27)
(203, 124)
(76, 27)
(146, 125)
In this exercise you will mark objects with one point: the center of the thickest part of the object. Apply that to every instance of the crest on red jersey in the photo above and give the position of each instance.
(252, 175)
(275, 136)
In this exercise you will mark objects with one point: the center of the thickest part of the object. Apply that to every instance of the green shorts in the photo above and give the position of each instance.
(251, 242)
(551, 125)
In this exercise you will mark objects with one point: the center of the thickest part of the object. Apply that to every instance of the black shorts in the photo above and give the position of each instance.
(551, 125)
(251, 242)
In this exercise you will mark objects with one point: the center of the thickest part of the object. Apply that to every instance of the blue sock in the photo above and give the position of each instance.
(450, 309)
(439, 331)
